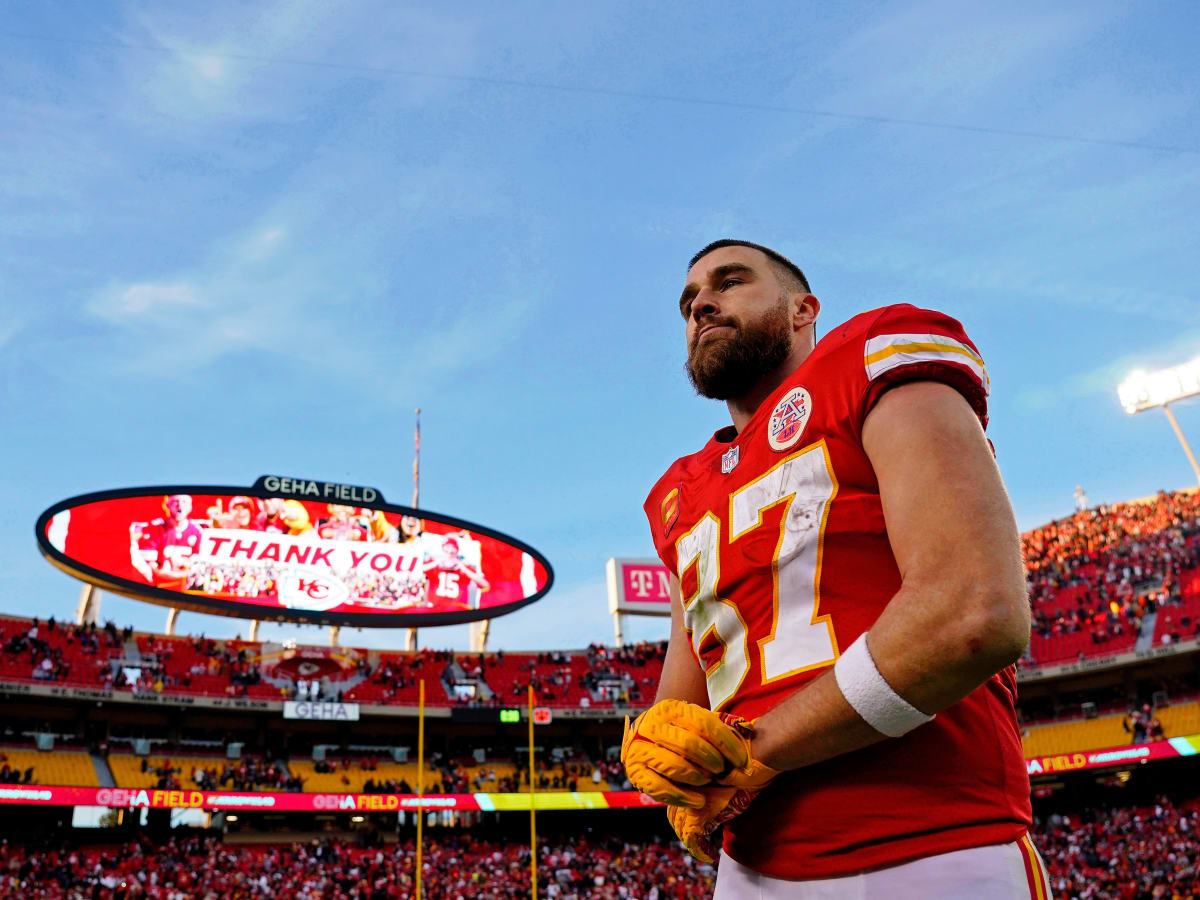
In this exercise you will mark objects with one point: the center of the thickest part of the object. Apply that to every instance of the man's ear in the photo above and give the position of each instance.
(805, 309)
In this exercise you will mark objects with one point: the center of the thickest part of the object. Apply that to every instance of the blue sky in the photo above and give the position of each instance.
(248, 238)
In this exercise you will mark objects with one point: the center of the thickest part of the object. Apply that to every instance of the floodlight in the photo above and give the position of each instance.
(1143, 390)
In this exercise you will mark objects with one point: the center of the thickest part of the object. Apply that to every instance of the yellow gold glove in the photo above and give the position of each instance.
(751, 775)
(676, 746)
(699, 828)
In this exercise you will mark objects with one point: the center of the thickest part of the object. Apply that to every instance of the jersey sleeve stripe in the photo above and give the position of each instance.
(888, 351)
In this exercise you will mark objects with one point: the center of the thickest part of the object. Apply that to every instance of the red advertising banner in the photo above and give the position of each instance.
(639, 586)
(1115, 756)
(295, 550)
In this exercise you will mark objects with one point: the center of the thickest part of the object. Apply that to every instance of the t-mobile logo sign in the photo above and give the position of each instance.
(648, 584)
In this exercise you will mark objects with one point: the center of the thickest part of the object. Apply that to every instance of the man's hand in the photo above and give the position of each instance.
(669, 754)
(753, 775)
(676, 746)
(699, 828)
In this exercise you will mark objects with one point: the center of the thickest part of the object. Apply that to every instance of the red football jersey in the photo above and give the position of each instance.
(162, 545)
(448, 583)
(778, 538)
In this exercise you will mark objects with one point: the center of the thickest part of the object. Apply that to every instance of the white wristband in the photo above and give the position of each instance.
(870, 694)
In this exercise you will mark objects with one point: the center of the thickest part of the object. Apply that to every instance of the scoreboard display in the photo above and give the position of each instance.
(287, 549)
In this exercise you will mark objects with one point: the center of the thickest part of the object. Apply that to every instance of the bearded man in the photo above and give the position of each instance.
(836, 715)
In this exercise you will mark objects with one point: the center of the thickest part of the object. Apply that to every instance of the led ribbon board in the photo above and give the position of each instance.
(295, 550)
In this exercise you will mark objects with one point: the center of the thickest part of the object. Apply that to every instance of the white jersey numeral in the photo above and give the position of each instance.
(447, 585)
(799, 638)
(705, 613)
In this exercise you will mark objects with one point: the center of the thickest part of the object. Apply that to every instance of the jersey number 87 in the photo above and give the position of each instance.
(798, 639)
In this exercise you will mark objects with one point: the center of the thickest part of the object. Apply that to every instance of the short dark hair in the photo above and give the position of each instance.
(788, 271)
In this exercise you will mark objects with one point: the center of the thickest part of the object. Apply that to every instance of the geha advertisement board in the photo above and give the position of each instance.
(292, 549)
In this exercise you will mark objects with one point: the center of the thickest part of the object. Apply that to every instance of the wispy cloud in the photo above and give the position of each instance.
(262, 293)
(264, 242)
(142, 298)
(945, 55)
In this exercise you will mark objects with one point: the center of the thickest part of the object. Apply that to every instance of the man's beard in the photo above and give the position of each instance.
(725, 367)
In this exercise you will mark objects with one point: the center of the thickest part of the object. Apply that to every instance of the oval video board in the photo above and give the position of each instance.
(289, 549)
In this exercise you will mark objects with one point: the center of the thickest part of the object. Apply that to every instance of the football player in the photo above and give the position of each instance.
(163, 547)
(343, 524)
(451, 577)
(837, 703)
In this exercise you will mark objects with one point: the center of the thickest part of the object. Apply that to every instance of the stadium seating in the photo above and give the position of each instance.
(454, 866)
(492, 777)
(128, 771)
(1179, 720)
(1082, 735)
(1178, 622)
(1061, 648)
(33, 650)
(352, 780)
(1126, 851)
(1119, 851)
(597, 677)
(1095, 576)
(70, 767)
(1075, 737)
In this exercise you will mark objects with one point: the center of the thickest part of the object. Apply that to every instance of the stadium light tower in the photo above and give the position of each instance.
(1146, 390)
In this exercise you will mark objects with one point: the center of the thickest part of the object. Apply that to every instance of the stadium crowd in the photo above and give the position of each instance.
(240, 775)
(1123, 853)
(452, 868)
(161, 670)
(465, 777)
(1133, 853)
(61, 652)
(607, 676)
(1102, 570)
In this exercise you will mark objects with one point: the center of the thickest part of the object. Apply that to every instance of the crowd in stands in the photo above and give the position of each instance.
(604, 676)
(235, 775)
(1102, 570)
(1143, 725)
(205, 657)
(467, 777)
(14, 774)
(1136, 853)
(53, 651)
(1122, 853)
(452, 868)
(398, 673)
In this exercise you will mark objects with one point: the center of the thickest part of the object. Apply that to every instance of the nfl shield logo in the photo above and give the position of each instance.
(729, 460)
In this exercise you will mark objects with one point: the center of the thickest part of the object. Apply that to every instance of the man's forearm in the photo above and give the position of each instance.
(812, 725)
(928, 661)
